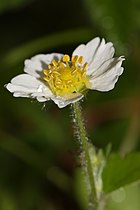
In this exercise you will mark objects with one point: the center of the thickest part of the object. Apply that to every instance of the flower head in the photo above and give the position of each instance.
(65, 79)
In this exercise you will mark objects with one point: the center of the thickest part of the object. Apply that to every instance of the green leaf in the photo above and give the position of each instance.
(121, 171)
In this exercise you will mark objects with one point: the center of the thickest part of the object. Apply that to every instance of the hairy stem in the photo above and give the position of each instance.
(87, 167)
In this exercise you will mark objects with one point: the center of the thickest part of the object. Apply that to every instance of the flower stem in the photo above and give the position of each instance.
(87, 166)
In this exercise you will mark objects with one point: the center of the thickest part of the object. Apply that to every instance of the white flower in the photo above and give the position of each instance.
(63, 79)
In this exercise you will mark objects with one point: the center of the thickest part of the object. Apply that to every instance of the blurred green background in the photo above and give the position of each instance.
(38, 167)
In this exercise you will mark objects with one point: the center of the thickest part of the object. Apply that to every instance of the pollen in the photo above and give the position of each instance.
(66, 76)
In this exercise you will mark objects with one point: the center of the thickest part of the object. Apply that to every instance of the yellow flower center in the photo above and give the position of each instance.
(66, 76)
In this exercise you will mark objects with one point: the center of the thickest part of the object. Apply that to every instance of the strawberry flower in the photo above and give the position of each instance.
(66, 79)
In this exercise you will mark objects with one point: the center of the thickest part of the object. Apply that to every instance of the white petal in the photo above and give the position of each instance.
(108, 75)
(18, 88)
(104, 53)
(21, 94)
(25, 85)
(42, 99)
(107, 65)
(36, 64)
(88, 50)
(95, 53)
(62, 102)
(25, 80)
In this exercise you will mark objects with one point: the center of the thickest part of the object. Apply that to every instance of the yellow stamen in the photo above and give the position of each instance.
(56, 73)
(49, 66)
(54, 62)
(46, 79)
(66, 58)
(85, 66)
(74, 58)
(80, 60)
(46, 72)
(67, 76)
